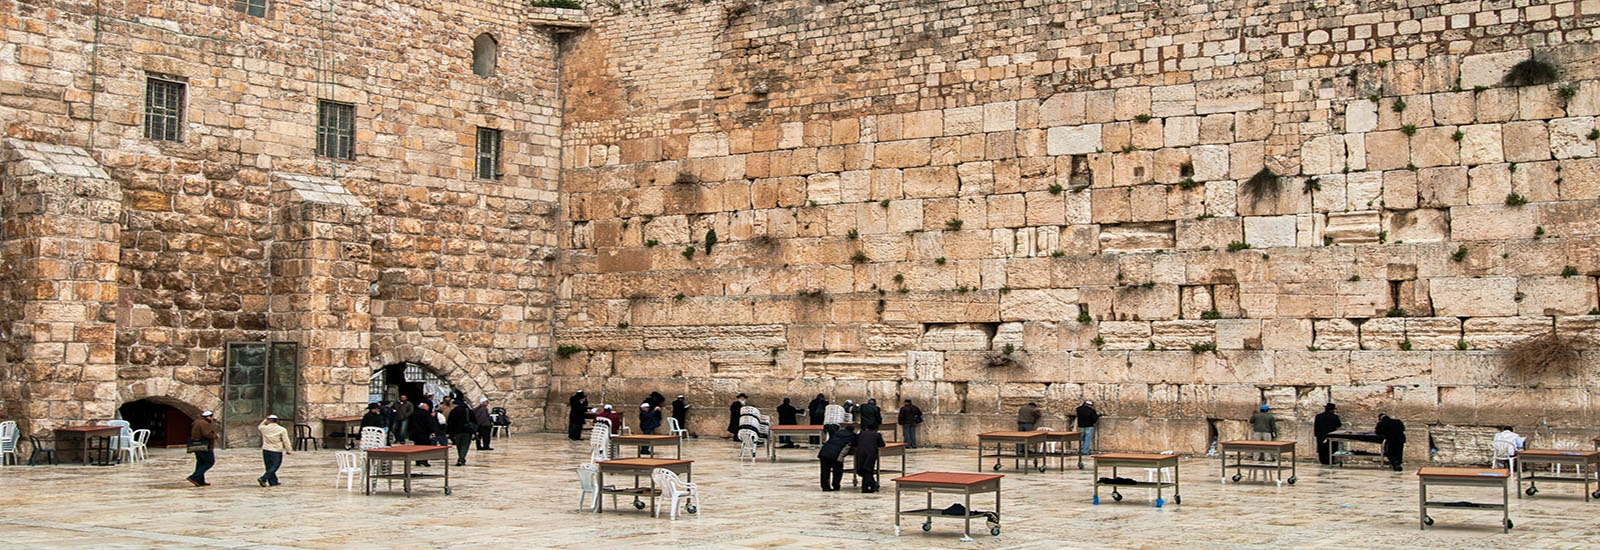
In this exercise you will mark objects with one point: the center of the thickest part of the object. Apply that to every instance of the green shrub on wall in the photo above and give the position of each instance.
(564, 4)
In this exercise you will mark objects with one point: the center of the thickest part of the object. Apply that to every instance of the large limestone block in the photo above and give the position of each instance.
(1270, 231)
(1362, 190)
(1473, 297)
(930, 182)
(1389, 150)
(1141, 303)
(1039, 305)
(901, 154)
(1497, 105)
(1391, 367)
(1556, 295)
(1323, 155)
(955, 337)
(1481, 144)
(1569, 137)
(1361, 115)
(1137, 237)
(1062, 109)
(1131, 102)
(1435, 146)
(1580, 178)
(1335, 334)
(1454, 108)
(1072, 140)
(963, 120)
(1210, 162)
(1228, 95)
(1399, 189)
(1238, 334)
(1007, 334)
(1423, 225)
(1353, 227)
(1570, 218)
(1489, 333)
(1383, 334)
(1000, 116)
(1170, 101)
(1181, 131)
(1286, 334)
(1492, 222)
(1488, 184)
(1181, 334)
(1208, 234)
(1489, 69)
(1526, 141)
(1433, 333)
(1124, 335)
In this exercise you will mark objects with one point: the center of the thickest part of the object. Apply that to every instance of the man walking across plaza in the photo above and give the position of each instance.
(910, 416)
(274, 444)
(1323, 424)
(485, 422)
(1087, 418)
(203, 443)
(576, 406)
(402, 419)
(461, 429)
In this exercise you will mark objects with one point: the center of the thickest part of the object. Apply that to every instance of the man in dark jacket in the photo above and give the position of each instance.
(831, 457)
(656, 400)
(817, 409)
(480, 416)
(423, 426)
(870, 414)
(204, 429)
(649, 420)
(867, 444)
(1087, 417)
(910, 416)
(1028, 417)
(403, 410)
(1393, 433)
(461, 429)
(788, 415)
(1325, 423)
(733, 414)
(680, 411)
(576, 406)
(374, 417)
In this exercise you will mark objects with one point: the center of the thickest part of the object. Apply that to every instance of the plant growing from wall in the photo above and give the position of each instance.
(1236, 246)
(562, 4)
(1409, 129)
(1083, 314)
(688, 253)
(1055, 189)
(1398, 106)
(1531, 72)
(858, 258)
(1202, 348)
(1458, 135)
(566, 351)
(1141, 119)
(952, 224)
(1516, 199)
(1264, 183)
(711, 240)
(1569, 272)
(1545, 353)
(651, 243)
(1459, 255)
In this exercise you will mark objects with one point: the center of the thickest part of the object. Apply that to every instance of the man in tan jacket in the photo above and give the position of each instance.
(274, 444)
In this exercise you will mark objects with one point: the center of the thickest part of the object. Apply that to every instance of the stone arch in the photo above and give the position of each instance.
(192, 400)
(485, 55)
(447, 364)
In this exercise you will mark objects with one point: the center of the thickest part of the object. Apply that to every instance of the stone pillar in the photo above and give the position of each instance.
(59, 248)
(321, 269)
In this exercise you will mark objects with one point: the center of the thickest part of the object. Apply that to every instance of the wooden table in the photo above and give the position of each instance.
(1462, 477)
(1137, 460)
(1023, 441)
(791, 431)
(1581, 459)
(86, 436)
(640, 467)
(640, 441)
(888, 450)
(890, 427)
(965, 485)
(1353, 436)
(408, 455)
(1240, 448)
(339, 428)
(1075, 438)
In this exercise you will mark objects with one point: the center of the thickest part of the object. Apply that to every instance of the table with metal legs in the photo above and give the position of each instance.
(792, 431)
(1022, 452)
(1149, 461)
(1241, 448)
(1462, 477)
(408, 455)
(965, 485)
(888, 450)
(1554, 457)
(640, 467)
(641, 441)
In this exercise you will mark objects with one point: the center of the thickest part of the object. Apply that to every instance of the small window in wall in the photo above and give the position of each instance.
(488, 153)
(336, 129)
(257, 8)
(484, 52)
(163, 109)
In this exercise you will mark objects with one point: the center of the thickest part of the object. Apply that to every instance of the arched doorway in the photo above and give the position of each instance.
(414, 380)
(168, 424)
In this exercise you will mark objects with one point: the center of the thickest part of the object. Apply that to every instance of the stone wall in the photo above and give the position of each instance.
(429, 265)
(1180, 210)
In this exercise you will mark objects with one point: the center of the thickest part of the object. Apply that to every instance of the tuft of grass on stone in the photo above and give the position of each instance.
(1461, 344)
(1211, 315)
(1055, 189)
(1083, 315)
(1567, 91)
(1203, 348)
(939, 260)
(562, 4)
(1236, 246)
(688, 253)
(623, 325)
(1141, 119)
(1594, 134)
(711, 240)
(884, 203)
(1409, 129)
(858, 258)
(1399, 105)
(1531, 72)
(1569, 272)
(1459, 255)
(1458, 135)
(1098, 341)
(852, 235)
(1187, 184)
(566, 351)
(952, 224)
(1395, 312)
(1264, 183)
(1516, 199)
(1057, 253)
(1405, 345)
(651, 243)
(1355, 278)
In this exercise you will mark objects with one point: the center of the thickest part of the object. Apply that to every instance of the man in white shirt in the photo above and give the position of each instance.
(1511, 437)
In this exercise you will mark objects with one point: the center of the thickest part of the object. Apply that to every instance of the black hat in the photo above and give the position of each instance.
(1328, 407)
(372, 405)
(742, 396)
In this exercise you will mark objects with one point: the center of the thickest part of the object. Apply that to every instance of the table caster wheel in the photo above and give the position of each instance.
(1237, 477)
(446, 490)
(1293, 479)
(996, 466)
(1159, 502)
(1530, 491)
(638, 505)
(1595, 494)
(1080, 465)
(1509, 524)
(690, 508)
(1096, 500)
(1177, 499)
(1042, 468)
(1427, 520)
(927, 525)
(994, 531)
(1116, 496)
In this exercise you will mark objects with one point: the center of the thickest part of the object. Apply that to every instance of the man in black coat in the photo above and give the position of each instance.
(649, 421)
(733, 414)
(461, 429)
(867, 444)
(831, 457)
(374, 417)
(1393, 433)
(869, 413)
(423, 426)
(576, 405)
(817, 409)
(909, 417)
(1087, 417)
(403, 410)
(788, 415)
(485, 421)
(680, 411)
(1325, 423)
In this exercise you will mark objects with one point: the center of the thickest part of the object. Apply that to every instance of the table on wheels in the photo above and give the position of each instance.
(1075, 438)
(890, 429)
(1240, 448)
(87, 436)
(965, 485)
(407, 455)
(640, 441)
(791, 431)
(888, 450)
(1023, 441)
(1581, 459)
(1349, 436)
(641, 467)
(1137, 460)
(1462, 477)
(340, 428)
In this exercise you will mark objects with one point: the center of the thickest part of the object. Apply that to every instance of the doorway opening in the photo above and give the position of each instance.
(416, 381)
(169, 426)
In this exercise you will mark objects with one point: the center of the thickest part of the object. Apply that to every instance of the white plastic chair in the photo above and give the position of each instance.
(373, 437)
(747, 446)
(349, 468)
(141, 444)
(1568, 446)
(674, 428)
(1153, 475)
(124, 440)
(588, 484)
(1049, 446)
(8, 443)
(1505, 452)
(673, 488)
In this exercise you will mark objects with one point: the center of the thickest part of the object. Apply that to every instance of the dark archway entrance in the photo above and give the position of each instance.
(411, 379)
(169, 426)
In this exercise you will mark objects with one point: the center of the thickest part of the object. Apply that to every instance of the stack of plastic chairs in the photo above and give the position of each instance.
(373, 437)
(8, 443)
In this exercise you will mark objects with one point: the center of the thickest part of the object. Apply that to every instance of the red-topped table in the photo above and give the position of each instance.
(640, 467)
(408, 455)
(340, 428)
(86, 436)
(892, 428)
(1462, 477)
(962, 484)
(1553, 457)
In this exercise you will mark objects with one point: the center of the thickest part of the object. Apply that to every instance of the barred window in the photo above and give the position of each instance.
(336, 129)
(488, 153)
(163, 109)
(257, 8)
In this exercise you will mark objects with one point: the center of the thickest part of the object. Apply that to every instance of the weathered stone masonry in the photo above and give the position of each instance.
(902, 190)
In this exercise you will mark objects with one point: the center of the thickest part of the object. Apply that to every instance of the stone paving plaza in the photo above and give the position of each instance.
(523, 495)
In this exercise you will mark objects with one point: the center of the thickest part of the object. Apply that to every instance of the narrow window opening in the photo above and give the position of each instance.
(485, 50)
(488, 165)
(257, 8)
(336, 129)
(163, 109)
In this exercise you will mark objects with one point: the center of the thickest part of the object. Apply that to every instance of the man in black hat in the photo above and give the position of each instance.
(577, 405)
(374, 417)
(680, 412)
(1323, 424)
(1393, 433)
(788, 415)
(818, 408)
(733, 414)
